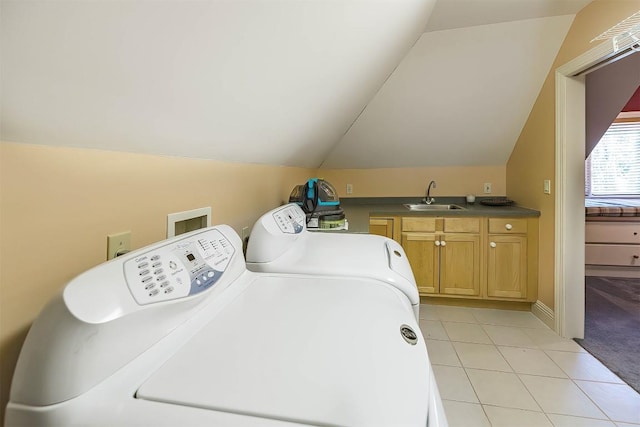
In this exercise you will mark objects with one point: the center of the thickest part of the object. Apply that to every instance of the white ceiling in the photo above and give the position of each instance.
(276, 81)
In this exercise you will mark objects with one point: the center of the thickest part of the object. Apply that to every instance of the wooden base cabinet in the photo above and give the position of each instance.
(512, 254)
(480, 258)
(423, 256)
(460, 264)
(507, 266)
(443, 263)
(384, 226)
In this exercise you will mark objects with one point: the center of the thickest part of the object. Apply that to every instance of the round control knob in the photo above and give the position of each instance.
(508, 226)
(493, 244)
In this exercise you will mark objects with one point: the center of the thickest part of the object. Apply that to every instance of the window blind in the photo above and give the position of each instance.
(613, 167)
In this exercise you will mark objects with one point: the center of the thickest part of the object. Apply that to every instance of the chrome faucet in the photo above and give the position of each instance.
(428, 199)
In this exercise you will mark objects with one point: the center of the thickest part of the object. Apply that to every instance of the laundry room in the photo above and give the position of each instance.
(117, 114)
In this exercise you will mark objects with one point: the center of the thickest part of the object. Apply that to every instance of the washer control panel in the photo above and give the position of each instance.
(179, 269)
(290, 219)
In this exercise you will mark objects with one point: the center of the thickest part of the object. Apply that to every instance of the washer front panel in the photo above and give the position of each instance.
(179, 269)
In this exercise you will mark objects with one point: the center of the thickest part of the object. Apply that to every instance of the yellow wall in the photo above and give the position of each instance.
(57, 206)
(399, 182)
(533, 158)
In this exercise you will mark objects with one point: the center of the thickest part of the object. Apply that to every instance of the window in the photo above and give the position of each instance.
(613, 167)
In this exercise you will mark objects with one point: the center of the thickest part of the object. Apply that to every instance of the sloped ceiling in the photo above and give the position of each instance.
(459, 98)
(285, 82)
(264, 81)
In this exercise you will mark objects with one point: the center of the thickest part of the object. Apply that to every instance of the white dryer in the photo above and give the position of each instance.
(180, 333)
(280, 242)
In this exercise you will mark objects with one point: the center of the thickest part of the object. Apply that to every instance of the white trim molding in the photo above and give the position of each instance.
(544, 313)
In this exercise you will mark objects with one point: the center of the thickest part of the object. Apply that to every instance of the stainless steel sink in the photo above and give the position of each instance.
(432, 207)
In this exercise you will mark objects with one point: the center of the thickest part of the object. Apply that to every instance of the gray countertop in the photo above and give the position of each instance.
(358, 210)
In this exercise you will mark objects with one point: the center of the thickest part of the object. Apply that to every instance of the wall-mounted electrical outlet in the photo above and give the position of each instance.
(487, 188)
(547, 186)
(349, 188)
(118, 244)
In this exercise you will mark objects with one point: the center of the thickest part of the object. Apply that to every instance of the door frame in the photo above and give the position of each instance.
(569, 168)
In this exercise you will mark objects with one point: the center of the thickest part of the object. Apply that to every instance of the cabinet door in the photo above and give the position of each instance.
(507, 266)
(460, 264)
(381, 227)
(422, 254)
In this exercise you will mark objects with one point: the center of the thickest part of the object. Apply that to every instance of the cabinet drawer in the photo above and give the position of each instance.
(508, 225)
(596, 254)
(462, 225)
(612, 232)
(419, 224)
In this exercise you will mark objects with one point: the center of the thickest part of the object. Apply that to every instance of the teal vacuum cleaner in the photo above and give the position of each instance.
(320, 202)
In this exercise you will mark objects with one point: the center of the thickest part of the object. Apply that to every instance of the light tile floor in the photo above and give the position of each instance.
(507, 368)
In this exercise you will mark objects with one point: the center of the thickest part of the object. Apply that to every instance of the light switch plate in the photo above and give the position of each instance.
(547, 186)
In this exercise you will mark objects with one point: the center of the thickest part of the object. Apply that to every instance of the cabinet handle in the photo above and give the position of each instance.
(493, 244)
(636, 256)
(508, 226)
(443, 243)
(437, 242)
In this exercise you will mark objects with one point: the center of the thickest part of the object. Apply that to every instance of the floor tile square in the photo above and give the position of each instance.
(455, 314)
(521, 319)
(466, 332)
(454, 384)
(433, 329)
(507, 417)
(531, 361)
(549, 340)
(561, 396)
(508, 336)
(569, 421)
(481, 356)
(442, 353)
(462, 414)
(501, 389)
(428, 312)
(583, 366)
(619, 401)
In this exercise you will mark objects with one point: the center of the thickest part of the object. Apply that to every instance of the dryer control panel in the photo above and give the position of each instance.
(179, 269)
(290, 219)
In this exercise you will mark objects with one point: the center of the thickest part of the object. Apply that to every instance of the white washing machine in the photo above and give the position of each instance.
(181, 334)
(281, 243)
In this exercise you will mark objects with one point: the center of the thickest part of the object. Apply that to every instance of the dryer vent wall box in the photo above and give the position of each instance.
(183, 222)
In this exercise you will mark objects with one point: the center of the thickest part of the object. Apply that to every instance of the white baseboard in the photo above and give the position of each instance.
(544, 313)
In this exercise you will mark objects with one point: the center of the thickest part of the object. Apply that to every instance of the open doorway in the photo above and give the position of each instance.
(612, 218)
(570, 155)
